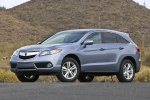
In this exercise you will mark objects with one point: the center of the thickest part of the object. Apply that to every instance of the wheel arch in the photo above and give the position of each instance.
(131, 59)
(74, 56)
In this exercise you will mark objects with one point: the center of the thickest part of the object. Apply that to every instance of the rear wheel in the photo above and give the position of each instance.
(27, 78)
(85, 78)
(127, 71)
(69, 70)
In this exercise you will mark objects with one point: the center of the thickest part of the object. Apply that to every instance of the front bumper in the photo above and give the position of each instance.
(36, 65)
(34, 68)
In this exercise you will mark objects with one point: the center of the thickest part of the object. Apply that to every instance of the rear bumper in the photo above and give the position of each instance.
(33, 68)
(138, 65)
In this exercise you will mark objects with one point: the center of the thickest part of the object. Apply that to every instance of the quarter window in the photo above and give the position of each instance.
(109, 38)
(120, 39)
(96, 37)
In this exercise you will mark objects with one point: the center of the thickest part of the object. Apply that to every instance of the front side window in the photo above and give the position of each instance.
(109, 37)
(96, 37)
(65, 37)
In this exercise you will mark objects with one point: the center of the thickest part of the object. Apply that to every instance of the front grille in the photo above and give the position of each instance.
(26, 57)
(27, 54)
(13, 65)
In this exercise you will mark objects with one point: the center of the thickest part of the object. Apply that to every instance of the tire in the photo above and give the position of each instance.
(70, 70)
(27, 78)
(127, 71)
(85, 78)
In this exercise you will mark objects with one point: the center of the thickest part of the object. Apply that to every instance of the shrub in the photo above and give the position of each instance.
(7, 76)
(143, 75)
(146, 60)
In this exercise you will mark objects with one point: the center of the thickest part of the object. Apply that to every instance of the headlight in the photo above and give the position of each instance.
(15, 53)
(47, 52)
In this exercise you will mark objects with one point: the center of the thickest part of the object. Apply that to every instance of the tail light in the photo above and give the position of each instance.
(138, 49)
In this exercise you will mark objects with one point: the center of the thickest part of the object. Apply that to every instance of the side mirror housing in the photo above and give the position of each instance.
(87, 42)
(38, 43)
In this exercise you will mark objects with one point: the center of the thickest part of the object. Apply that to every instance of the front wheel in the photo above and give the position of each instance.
(27, 78)
(69, 70)
(127, 71)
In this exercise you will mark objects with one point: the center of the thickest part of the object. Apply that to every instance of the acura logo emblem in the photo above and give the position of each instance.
(23, 53)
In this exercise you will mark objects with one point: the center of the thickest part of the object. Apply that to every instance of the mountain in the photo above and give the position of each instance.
(13, 30)
(57, 15)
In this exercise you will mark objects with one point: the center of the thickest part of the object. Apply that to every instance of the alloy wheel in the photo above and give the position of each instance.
(128, 71)
(69, 70)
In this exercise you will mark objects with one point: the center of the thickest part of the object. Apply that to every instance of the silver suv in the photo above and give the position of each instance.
(81, 54)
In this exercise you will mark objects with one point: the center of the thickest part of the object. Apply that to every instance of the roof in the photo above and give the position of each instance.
(106, 30)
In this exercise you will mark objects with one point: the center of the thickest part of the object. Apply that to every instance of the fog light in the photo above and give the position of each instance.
(44, 65)
(49, 65)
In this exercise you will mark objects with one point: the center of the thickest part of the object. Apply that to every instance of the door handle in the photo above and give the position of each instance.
(102, 49)
(121, 48)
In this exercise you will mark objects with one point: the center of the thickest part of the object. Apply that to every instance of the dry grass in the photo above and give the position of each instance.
(15, 31)
(7, 76)
(143, 76)
(146, 60)
(7, 50)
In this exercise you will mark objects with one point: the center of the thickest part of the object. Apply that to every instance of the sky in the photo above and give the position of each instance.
(141, 2)
(11, 3)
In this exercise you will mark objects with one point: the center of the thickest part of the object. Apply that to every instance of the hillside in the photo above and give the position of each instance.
(56, 15)
(34, 20)
(13, 30)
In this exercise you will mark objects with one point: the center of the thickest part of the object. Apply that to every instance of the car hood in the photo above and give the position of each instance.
(40, 47)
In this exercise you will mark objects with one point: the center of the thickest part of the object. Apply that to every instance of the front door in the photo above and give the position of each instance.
(93, 56)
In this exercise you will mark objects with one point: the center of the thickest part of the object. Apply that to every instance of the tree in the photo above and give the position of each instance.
(144, 4)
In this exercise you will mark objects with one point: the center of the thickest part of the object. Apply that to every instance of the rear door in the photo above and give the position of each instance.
(114, 48)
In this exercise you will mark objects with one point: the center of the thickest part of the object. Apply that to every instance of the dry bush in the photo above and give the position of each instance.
(7, 76)
(143, 75)
(146, 60)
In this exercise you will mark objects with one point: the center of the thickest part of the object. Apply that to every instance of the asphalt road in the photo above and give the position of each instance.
(75, 91)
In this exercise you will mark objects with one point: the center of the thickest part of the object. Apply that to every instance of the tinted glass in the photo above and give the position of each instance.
(96, 37)
(65, 37)
(109, 38)
(120, 39)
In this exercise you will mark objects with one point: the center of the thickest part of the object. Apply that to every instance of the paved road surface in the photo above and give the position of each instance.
(75, 91)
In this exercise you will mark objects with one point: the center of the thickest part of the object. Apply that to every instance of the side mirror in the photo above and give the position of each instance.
(87, 42)
(38, 43)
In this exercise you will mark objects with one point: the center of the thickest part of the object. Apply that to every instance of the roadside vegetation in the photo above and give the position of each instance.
(7, 76)
(37, 19)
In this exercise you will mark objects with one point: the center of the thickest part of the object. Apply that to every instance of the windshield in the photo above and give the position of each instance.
(65, 37)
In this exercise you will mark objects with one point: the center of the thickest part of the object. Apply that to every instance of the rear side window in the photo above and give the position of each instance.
(120, 39)
(109, 37)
